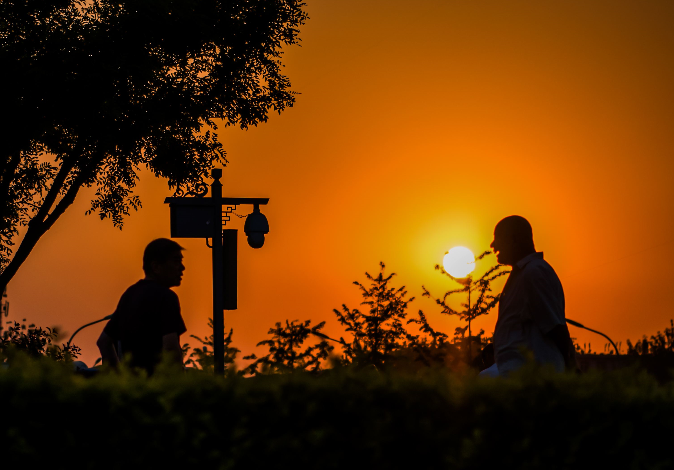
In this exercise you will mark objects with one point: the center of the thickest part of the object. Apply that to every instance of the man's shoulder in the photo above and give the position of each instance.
(147, 290)
(538, 269)
(540, 276)
(146, 285)
(535, 263)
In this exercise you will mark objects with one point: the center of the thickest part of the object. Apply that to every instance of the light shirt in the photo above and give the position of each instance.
(531, 305)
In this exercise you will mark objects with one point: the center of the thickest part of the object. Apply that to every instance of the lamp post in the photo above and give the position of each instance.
(578, 325)
(202, 217)
(84, 326)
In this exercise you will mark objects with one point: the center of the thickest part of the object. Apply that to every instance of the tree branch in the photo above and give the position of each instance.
(53, 193)
(36, 227)
(67, 200)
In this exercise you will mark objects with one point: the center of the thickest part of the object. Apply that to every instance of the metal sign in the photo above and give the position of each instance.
(192, 221)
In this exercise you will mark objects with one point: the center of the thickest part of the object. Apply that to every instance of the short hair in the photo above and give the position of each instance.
(158, 250)
(518, 229)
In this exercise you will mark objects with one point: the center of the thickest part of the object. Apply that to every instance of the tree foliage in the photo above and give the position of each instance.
(432, 348)
(94, 90)
(479, 290)
(284, 350)
(345, 419)
(201, 357)
(34, 341)
(659, 345)
(380, 330)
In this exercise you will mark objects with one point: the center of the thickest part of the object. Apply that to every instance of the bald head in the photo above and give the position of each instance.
(513, 240)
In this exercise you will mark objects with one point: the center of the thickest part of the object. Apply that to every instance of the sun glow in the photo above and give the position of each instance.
(459, 261)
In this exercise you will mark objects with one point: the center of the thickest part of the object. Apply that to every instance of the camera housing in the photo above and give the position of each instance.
(256, 227)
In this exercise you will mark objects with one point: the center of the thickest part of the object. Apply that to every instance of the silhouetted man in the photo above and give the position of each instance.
(531, 308)
(147, 321)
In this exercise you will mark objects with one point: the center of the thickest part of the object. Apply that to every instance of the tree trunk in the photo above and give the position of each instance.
(44, 220)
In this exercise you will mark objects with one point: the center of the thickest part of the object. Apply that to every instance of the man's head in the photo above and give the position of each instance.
(163, 262)
(513, 240)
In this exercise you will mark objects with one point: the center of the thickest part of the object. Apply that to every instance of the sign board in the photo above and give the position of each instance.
(230, 288)
(192, 221)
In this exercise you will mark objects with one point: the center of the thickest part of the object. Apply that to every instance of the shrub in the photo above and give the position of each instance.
(284, 350)
(659, 345)
(35, 342)
(202, 357)
(483, 302)
(379, 331)
(534, 419)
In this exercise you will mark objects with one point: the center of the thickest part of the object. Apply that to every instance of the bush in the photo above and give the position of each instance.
(285, 350)
(535, 419)
(659, 345)
(202, 357)
(35, 342)
(379, 331)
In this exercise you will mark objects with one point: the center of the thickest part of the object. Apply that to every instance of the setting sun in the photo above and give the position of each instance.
(459, 261)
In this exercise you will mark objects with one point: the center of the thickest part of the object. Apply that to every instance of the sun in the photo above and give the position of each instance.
(459, 261)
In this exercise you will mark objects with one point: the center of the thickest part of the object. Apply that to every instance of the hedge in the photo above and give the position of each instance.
(342, 419)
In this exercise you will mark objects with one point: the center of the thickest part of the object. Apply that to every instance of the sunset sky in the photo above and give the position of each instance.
(418, 127)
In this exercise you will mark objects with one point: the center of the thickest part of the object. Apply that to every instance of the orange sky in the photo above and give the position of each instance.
(419, 126)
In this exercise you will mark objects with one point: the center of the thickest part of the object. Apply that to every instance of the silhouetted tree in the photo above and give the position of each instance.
(479, 291)
(382, 338)
(91, 91)
(380, 331)
(284, 350)
(436, 338)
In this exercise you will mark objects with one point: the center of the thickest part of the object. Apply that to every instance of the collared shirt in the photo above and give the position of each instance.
(531, 305)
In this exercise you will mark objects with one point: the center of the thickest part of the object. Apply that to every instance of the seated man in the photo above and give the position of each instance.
(531, 309)
(147, 321)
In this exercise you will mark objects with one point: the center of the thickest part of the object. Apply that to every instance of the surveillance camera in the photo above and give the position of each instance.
(255, 227)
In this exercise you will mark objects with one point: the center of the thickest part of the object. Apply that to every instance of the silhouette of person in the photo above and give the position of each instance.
(147, 321)
(531, 309)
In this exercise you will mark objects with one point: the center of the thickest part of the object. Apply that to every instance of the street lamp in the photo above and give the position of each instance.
(202, 217)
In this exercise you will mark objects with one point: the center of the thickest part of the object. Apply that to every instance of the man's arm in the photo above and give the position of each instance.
(171, 344)
(562, 339)
(546, 302)
(107, 348)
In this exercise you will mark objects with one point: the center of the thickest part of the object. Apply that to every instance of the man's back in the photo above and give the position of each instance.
(146, 312)
(532, 305)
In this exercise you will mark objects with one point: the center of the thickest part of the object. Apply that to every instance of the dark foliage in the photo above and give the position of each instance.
(285, 353)
(533, 420)
(381, 337)
(201, 357)
(35, 342)
(433, 349)
(93, 91)
(379, 331)
(480, 301)
(659, 345)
